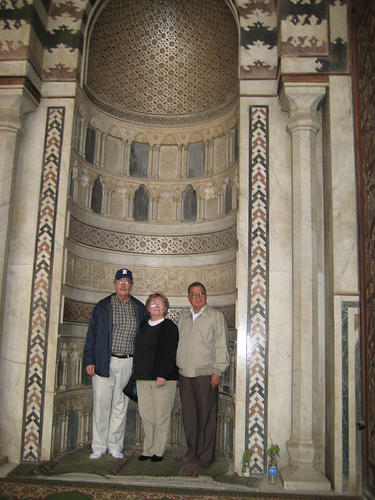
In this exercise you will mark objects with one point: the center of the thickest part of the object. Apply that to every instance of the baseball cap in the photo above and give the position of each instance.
(124, 273)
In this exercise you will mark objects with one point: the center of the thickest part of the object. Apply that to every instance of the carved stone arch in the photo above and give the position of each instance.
(114, 131)
(61, 407)
(141, 204)
(196, 137)
(77, 404)
(97, 195)
(169, 140)
(143, 138)
(93, 122)
(227, 195)
(91, 139)
(218, 131)
(189, 204)
(154, 190)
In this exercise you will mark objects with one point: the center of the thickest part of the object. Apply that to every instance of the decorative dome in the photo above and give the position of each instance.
(163, 58)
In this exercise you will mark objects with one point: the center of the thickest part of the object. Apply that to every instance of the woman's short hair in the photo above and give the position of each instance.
(156, 295)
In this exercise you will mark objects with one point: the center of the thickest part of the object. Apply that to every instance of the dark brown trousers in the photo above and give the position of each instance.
(199, 407)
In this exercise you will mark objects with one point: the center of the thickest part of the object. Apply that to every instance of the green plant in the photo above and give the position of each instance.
(273, 450)
(246, 457)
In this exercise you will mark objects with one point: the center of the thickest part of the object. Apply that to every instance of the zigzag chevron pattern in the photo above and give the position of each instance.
(35, 374)
(258, 257)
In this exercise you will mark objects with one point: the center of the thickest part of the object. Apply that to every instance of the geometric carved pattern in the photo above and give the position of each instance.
(258, 265)
(154, 245)
(165, 68)
(38, 330)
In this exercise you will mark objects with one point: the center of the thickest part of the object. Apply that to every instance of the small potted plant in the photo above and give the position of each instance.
(273, 451)
(246, 459)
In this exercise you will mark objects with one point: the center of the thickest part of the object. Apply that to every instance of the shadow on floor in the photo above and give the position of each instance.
(78, 462)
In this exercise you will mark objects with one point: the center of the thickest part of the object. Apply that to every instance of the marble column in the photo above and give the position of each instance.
(14, 104)
(304, 448)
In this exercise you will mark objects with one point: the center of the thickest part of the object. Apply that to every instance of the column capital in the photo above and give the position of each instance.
(302, 103)
(298, 97)
(16, 99)
(18, 94)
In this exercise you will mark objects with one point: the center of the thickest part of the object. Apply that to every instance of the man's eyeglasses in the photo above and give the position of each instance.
(156, 304)
(124, 282)
(197, 293)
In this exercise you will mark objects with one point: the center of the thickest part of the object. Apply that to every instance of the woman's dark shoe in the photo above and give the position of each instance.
(155, 458)
(142, 458)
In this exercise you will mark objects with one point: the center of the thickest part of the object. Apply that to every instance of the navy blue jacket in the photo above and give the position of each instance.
(98, 344)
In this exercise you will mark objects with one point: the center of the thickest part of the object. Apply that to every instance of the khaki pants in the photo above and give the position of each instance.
(155, 408)
(110, 406)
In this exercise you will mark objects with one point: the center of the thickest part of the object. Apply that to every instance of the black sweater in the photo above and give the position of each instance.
(155, 351)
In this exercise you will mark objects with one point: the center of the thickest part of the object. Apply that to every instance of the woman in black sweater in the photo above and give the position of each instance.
(156, 373)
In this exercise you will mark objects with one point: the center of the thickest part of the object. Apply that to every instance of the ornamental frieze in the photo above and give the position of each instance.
(87, 274)
(154, 245)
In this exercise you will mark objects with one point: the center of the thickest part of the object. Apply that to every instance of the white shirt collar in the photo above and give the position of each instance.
(154, 323)
(194, 315)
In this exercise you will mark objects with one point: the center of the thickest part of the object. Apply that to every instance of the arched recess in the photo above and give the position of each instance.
(95, 283)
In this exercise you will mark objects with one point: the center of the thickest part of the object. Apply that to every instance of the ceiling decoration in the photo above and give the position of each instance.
(163, 58)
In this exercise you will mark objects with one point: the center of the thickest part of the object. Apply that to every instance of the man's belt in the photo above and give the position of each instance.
(122, 356)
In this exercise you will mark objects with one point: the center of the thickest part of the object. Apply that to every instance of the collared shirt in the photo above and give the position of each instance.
(194, 315)
(124, 326)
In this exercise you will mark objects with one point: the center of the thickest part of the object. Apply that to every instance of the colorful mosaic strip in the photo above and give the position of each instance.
(258, 288)
(38, 333)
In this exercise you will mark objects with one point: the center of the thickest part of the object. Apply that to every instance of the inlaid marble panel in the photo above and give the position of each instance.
(256, 433)
(40, 300)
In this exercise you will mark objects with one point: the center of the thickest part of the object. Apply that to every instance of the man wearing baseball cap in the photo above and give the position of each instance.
(108, 359)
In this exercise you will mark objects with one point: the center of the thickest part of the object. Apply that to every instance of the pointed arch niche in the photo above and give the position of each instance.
(163, 155)
(255, 110)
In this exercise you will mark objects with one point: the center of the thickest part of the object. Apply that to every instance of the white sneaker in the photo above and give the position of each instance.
(116, 454)
(95, 455)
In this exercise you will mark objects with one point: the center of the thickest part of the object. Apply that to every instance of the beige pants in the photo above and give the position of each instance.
(110, 406)
(155, 408)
